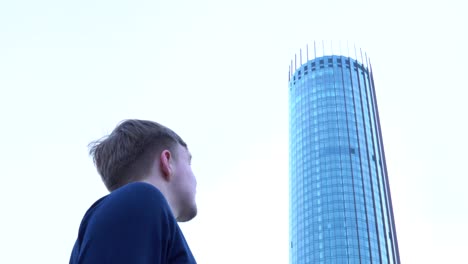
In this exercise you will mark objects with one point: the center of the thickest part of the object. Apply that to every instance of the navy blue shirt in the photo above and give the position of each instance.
(133, 224)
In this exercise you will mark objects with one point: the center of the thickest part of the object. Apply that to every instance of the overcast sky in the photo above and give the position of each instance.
(216, 73)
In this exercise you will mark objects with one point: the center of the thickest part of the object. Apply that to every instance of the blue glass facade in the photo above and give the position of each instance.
(340, 203)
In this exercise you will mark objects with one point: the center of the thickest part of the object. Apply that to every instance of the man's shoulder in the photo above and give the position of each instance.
(137, 190)
(128, 224)
(133, 206)
(135, 196)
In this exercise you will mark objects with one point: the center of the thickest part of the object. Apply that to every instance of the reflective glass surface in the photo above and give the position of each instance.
(339, 200)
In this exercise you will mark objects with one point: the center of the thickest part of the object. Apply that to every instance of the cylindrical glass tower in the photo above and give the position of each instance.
(340, 202)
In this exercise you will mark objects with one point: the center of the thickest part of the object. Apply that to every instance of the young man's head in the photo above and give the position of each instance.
(140, 150)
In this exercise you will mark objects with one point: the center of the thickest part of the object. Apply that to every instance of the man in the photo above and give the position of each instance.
(146, 167)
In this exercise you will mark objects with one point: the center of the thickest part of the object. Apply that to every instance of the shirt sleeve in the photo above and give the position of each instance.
(134, 226)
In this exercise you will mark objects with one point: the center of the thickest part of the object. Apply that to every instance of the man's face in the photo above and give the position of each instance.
(184, 184)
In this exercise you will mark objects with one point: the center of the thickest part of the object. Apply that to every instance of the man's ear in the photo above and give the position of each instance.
(165, 161)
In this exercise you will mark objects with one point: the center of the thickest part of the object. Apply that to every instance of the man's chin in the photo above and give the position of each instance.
(187, 216)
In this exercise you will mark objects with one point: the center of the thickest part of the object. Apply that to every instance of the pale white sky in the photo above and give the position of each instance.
(216, 73)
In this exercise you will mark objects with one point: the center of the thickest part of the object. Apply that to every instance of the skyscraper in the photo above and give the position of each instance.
(340, 202)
